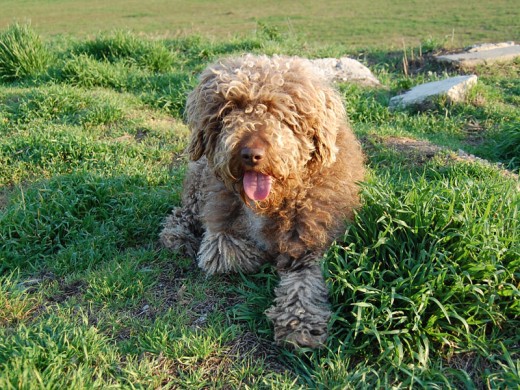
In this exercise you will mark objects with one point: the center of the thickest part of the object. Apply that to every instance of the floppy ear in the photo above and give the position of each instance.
(315, 109)
(329, 120)
(204, 109)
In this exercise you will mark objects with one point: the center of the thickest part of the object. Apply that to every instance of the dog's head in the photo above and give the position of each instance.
(263, 123)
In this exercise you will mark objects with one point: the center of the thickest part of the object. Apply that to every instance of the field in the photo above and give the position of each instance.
(424, 283)
(355, 24)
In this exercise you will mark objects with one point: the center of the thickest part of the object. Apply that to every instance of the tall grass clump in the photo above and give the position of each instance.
(22, 53)
(508, 145)
(85, 71)
(129, 48)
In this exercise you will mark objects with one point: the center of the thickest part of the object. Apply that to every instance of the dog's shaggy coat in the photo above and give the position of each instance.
(273, 178)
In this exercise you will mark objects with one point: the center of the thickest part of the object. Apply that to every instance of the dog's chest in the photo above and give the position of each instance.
(256, 224)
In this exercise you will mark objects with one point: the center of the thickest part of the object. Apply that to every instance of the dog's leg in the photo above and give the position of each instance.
(182, 229)
(180, 232)
(227, 244)
(225, 252)
(301, 310)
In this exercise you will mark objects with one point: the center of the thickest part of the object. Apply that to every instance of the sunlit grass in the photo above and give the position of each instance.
(423, 285)
(22, 53)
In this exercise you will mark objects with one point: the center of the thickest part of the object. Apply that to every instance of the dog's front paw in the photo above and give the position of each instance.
(300, 329)
(301, 311)
(177, 234)
(222, 253)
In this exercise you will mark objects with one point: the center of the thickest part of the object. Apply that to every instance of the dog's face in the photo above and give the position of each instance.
(264, 124)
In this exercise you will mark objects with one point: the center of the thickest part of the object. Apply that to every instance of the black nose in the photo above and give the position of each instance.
(252, 156)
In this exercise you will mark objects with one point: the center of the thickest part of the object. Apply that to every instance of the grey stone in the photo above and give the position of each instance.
(483, 54)
(454, 88)
(345, 69)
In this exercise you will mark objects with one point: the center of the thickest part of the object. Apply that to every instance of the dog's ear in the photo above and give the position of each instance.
(196, 145)
(329, 119)
(314, 108)
(324, 143)
(204, 111)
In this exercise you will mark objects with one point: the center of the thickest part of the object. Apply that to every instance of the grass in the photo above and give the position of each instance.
(382, 24)
(424, 283)
(22, 53)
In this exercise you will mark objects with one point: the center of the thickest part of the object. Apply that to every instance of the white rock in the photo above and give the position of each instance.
(345, 69)
(485, 54)
(488, 46)
(455, 88)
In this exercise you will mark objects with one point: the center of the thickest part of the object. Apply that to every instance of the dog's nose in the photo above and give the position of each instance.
(252, 156)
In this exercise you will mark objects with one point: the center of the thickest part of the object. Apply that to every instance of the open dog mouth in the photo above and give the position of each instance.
(257, 186)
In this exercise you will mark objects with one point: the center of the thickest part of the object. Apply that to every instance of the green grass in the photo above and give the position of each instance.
(355, 24)
(22, 53)
(424, 283)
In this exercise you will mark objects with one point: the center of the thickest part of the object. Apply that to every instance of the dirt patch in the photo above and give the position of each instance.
(68, 290)
(416, 151)
(422, 150)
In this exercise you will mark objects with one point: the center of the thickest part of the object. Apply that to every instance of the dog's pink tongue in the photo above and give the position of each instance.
(256, 185)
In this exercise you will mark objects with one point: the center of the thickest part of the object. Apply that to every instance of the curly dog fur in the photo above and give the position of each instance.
(273, 177)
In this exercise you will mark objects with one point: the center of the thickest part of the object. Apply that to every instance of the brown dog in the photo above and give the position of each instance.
(273, 178)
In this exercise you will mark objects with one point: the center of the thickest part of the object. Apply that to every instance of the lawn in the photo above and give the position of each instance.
(424, 283)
